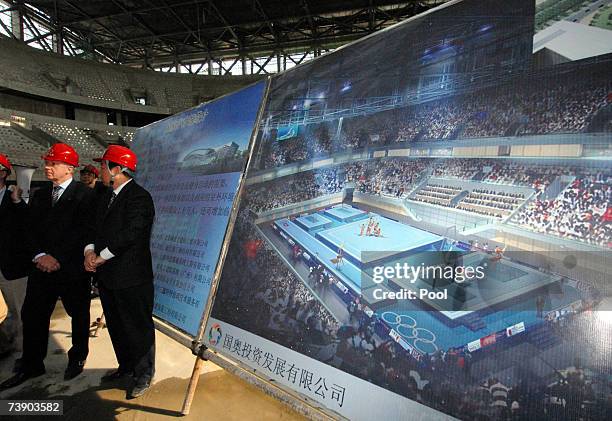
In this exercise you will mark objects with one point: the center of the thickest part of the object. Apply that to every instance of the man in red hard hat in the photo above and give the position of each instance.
(14, 261)
(89, 176)
(120, 256)
(59, 225)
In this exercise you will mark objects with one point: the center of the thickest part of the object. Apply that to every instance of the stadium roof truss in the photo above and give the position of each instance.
(200, 36)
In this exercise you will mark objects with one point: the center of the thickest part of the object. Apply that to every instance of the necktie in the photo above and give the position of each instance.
(56, 194)
(112, 199)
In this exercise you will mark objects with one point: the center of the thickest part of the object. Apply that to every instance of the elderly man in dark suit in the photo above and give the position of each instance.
(60, 222)
(120, 256)
(14, 261)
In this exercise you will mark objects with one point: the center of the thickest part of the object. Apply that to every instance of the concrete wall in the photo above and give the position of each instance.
(90, 116)
(30, 105)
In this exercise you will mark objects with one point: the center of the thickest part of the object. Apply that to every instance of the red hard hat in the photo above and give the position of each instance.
(62, 153)
(120, 155)
(5, 163)
(91, 169)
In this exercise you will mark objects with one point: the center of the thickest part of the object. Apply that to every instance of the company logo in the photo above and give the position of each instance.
(215, 334)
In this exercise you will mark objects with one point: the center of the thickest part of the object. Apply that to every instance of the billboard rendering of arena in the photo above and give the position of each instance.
(425, 227)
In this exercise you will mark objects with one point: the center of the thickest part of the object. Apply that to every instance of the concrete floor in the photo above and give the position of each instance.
(219, 396)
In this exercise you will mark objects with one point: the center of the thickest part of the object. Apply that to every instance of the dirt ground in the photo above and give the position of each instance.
(219, 396)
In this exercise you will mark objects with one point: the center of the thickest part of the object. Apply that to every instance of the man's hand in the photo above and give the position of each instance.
(99, 261)
(47, 263)
(16, 193)
(93, 261)
(90, 261)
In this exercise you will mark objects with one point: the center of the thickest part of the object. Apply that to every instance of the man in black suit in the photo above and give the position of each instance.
(120, 255)
(60, 222)
(14, 261)
(89, 176)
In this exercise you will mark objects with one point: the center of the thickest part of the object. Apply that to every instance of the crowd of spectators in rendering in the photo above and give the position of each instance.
(583, 211)
(278, 303)
(512, 110)
(580, 212)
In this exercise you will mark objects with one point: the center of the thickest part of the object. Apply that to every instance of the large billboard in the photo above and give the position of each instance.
(432, 236)
(192, 164)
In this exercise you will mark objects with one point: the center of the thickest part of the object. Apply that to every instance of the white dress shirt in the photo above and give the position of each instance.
(63, 187)
(106, 253)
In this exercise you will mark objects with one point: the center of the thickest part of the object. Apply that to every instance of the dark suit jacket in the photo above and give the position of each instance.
(125, 229)
(63, 230)
(15, 261)
(99, 191)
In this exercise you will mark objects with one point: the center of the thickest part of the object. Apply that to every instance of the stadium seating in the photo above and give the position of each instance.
(388, 177)
(74, 135)
(528, 107)
(491, 202)
(582, 211)
(18, 148)
(88, 139)
(437, 194)
(34, 71)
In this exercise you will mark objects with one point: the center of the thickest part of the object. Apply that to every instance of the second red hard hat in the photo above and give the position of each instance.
(120, 155)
